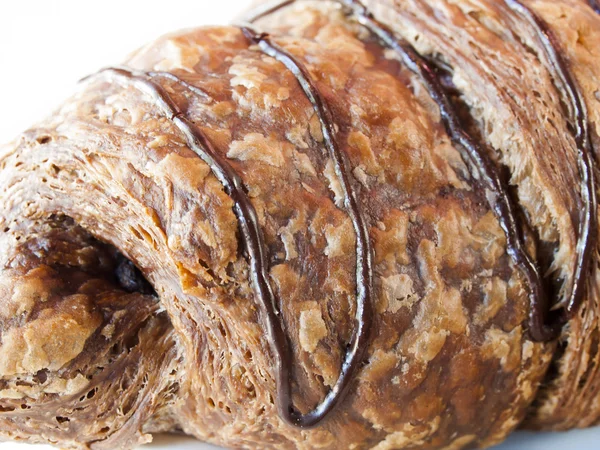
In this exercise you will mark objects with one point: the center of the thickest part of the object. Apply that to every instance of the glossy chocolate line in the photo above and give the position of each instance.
(541, 326)
(196, 90)
(595, 5)
(244, 211)
(565, 83)
(364, 264)
(477, 157)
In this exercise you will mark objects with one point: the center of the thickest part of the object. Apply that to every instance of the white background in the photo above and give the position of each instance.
(47, 45)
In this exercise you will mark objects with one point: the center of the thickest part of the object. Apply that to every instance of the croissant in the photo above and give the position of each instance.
(336, 225)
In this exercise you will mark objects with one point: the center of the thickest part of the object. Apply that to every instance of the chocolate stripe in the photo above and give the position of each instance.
(364, 264)
(244, 211)
(543, 324)
(254, 242)
(471, 151)
(477, 157)
(196, 90)
(565, 83)
(595, 5)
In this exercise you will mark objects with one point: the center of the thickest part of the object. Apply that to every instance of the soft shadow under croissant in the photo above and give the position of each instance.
(338, 225)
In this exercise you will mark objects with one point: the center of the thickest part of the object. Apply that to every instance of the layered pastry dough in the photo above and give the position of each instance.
(335, 225)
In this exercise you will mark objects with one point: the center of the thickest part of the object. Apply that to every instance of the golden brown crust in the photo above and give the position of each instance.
(568, 398)
(450, 363)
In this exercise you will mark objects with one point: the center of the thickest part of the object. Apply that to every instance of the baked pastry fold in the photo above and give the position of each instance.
(343, 225)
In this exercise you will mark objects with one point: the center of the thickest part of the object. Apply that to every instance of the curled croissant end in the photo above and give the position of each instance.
(338, 225)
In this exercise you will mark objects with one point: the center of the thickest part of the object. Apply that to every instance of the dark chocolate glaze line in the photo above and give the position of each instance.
(595, 5)
(565, 83)
(196, 90)
(244, 211)
(255, 246)
(543, 323)
(540, 327)
(364, 260)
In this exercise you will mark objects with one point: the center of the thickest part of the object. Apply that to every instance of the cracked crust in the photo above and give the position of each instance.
(450, 363)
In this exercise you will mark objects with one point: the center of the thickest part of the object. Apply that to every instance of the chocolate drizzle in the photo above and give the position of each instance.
(256, 248)
(364, 264)
(541, 327)
(595, 5)
(244, 211)
(190, 87)
(567, 86)
(544, 322)
(477, 158)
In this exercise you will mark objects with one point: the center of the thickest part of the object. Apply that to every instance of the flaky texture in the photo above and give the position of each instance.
(96, 353)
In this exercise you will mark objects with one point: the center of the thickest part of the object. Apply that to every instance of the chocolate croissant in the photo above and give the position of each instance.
(336, 225)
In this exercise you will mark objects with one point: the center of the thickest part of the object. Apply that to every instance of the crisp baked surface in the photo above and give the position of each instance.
(91, 356)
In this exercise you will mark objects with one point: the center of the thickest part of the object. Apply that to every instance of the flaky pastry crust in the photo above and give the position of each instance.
(128, 292)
